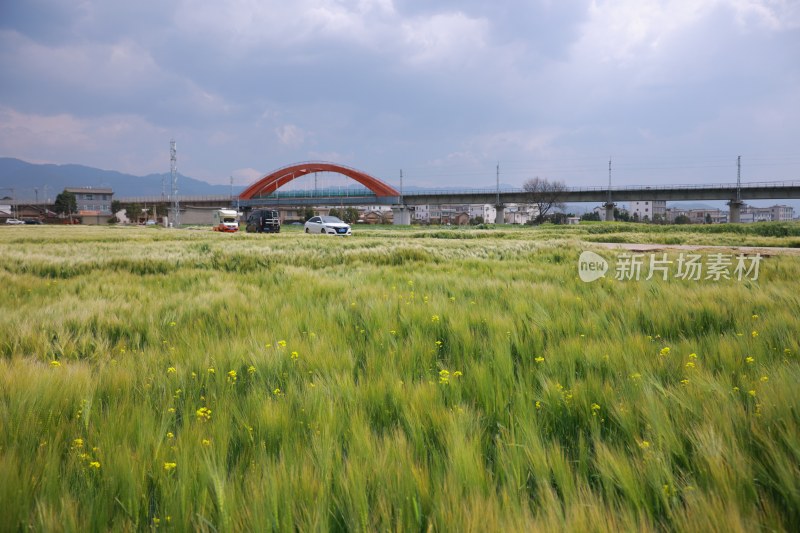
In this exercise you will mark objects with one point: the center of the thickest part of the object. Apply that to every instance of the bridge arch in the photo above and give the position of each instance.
(277, 179)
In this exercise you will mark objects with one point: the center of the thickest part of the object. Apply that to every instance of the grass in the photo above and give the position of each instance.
(404, 379)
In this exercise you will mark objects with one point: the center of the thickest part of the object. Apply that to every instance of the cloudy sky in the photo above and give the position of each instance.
(671, 90)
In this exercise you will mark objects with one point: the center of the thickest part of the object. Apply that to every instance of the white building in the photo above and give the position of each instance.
(705, 216)
(486, 211)
(422, 213)
(648, 209)
(774, 213)
(520, 214)
(443, 214)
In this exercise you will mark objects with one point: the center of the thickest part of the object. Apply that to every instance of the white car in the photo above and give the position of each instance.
(14, 221)
(327, 226)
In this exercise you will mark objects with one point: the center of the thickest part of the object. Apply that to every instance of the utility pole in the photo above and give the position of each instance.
(498, 183)
(173, 160)
(739, 179)
(609, 205)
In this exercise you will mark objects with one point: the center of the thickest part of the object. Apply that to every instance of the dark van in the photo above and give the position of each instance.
(263, 221)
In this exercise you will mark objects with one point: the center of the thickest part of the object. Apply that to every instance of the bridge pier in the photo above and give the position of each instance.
(735, 215)
(500, 214)
(609, 211)
(401, 215)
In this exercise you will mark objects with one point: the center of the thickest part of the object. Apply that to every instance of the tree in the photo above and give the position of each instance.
(335, 212)
(591, 216)
(545, 195)
(350, 215)
(477, 220)
(307, 213)
(682, 219)
(66, 204)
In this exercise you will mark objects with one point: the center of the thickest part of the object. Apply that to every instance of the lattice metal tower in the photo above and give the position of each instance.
(173, 167)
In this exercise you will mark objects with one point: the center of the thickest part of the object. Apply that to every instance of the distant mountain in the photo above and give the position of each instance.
(29, 180)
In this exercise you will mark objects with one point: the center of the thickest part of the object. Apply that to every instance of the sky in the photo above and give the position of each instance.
(668, 91)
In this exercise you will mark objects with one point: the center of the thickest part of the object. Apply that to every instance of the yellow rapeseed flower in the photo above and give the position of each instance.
(664, 350)
(282, 344)
(690, 364)
(170, 466)
(212, 370)
(754, 334)
(749, 360)
(232, 377)
(295, 355)
(95, 465)
(171, 370)
(55, 363)
(206, 442)
(251, 369)
(204, 413)
(435, 318)
(77, 443)
(644, 444)
(539, 359)
(170, 435)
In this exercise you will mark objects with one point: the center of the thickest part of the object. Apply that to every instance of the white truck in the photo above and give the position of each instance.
(226, 220)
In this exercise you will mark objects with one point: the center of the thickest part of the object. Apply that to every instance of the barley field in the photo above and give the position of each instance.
(416, 379)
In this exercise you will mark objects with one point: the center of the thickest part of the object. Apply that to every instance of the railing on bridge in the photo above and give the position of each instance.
(643, 188)
(356, 192)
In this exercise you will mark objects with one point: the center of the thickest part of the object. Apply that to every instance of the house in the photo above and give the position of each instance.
(94, 205)
(374, 217)
(461, 219)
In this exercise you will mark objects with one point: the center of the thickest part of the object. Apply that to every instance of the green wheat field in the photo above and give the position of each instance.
(414, 379)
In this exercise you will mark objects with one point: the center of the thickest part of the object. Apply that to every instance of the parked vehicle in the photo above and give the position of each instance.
(263, 221)
(14, 221)
(328, 226)
(226, 220)
(32, 221)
